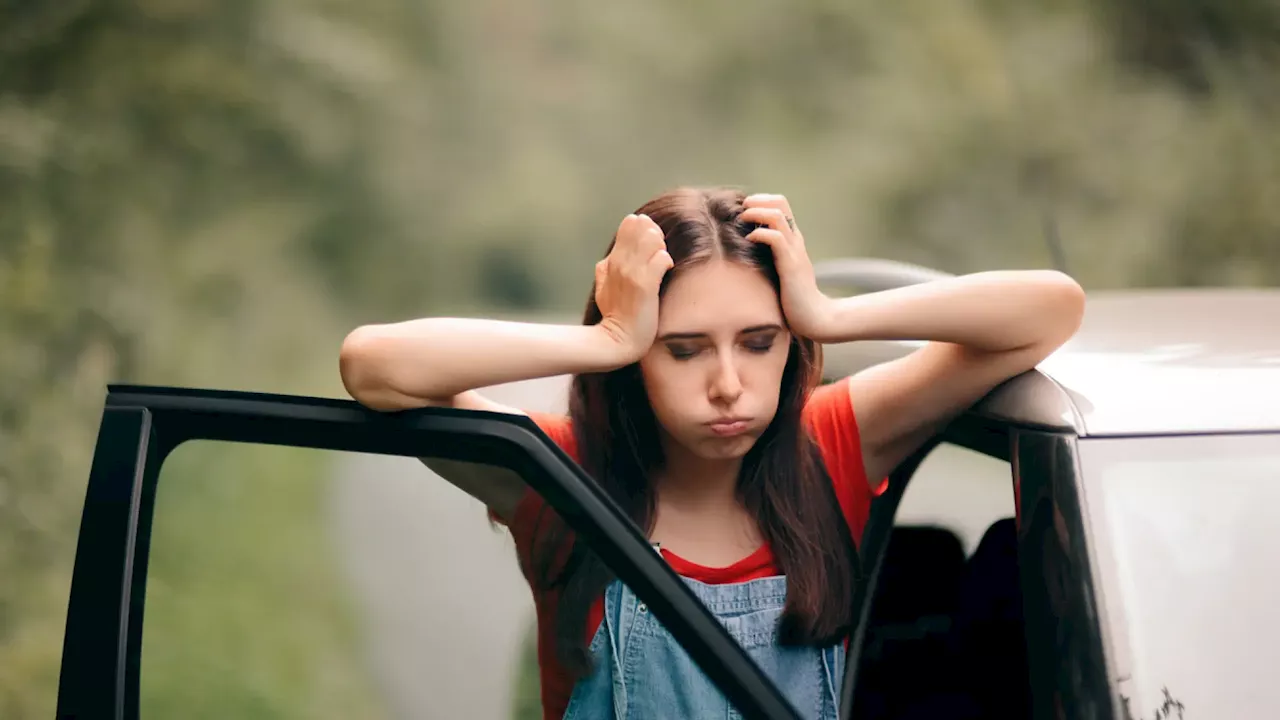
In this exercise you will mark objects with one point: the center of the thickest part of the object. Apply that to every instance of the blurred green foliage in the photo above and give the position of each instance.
(245, 614)
(209, 192)
(526, 700)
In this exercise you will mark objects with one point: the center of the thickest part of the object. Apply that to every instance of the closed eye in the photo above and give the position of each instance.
(682, 352)
(760, 344)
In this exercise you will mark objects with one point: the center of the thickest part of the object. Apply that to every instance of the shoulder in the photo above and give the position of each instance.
(532, 520)
(560, 429)
(829, 405)
(829, 418)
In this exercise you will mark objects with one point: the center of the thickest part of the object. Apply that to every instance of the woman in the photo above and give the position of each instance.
(695, 403)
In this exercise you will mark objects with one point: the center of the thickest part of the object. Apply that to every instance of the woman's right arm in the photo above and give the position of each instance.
(441, 361)
(437, 361)
(430, 362)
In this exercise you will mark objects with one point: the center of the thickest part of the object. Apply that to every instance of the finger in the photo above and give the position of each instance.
(660, 263)
(624, 245)
(647, 222)
(626, 228)
(602, 269)
(639, 237)
(776, 220)
(778, 202)
(772, 238)
(652, 239)
(649, 237)
(768, 216)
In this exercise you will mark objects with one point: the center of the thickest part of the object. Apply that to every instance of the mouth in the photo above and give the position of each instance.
(728, 427)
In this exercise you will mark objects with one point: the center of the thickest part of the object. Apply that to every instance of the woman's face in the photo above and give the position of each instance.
(715, 370)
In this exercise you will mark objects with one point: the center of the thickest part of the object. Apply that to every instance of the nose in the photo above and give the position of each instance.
(726, 385)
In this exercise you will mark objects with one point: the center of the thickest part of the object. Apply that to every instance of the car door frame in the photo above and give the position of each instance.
(142, 425)
(1067, 657)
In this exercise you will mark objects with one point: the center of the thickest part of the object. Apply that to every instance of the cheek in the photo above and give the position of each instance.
(762, 376)
(672, 387)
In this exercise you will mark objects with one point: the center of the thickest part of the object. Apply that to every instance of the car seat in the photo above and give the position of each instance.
(988, 641)
(904, 660)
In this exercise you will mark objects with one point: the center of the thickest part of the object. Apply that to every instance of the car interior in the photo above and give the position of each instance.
(945, 634)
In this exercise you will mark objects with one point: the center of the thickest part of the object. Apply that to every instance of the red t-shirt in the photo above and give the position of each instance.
(828, 416)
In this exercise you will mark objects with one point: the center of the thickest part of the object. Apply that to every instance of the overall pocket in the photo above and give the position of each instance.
(797, 671)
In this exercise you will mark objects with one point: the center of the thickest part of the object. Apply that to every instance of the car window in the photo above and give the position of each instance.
(1186, 540)
(298, 583)
(959, 489)
(945, 627)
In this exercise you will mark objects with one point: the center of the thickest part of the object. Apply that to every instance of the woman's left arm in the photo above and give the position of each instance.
(982, 329)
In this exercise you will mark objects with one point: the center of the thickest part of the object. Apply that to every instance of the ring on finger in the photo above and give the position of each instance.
(791, 223)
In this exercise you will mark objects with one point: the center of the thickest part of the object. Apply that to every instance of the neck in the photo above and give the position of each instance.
(692, 481)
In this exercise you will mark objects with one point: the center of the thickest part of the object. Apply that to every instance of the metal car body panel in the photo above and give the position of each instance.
(1146, 362)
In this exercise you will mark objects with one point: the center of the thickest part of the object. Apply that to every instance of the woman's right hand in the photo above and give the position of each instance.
(627, 283)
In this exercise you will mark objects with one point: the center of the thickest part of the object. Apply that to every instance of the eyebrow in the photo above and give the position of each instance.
(698, 335)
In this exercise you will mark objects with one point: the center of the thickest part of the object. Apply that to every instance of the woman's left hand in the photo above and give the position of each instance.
(806, 308)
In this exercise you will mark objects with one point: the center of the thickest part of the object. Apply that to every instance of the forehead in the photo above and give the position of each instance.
(718, 296)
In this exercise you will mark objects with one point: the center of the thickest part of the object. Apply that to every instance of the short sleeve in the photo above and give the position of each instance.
(829, 418)
(560, 430)
(529, 514)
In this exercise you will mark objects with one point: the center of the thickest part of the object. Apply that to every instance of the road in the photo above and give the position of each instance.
(445, 607)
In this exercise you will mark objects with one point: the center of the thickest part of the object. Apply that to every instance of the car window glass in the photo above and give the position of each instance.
(1186, 541)
(297, 583)
(959, 489)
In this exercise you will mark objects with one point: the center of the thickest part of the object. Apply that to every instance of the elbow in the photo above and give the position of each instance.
(1069, 298)
(1061, 309)
(362, 363)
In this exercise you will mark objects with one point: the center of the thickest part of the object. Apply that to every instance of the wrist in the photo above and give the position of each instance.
(816, 319)
(609, 347)
(835, 320)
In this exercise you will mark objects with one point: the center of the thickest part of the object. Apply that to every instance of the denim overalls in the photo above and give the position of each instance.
(641, 672)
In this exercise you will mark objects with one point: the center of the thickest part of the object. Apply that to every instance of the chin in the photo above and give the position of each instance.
(726, 448)
(723, 453)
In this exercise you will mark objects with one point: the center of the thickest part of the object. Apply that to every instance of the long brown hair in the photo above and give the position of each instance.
(783, 482)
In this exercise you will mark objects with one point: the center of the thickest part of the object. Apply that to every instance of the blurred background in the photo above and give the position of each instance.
(212, 194)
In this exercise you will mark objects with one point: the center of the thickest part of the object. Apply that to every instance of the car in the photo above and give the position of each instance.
(1107, 554)
(1127, 574)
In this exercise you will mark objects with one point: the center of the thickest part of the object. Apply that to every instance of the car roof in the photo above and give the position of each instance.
(1144, 362)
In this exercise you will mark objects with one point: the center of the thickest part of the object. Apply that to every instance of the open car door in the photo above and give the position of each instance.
(142, 426)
